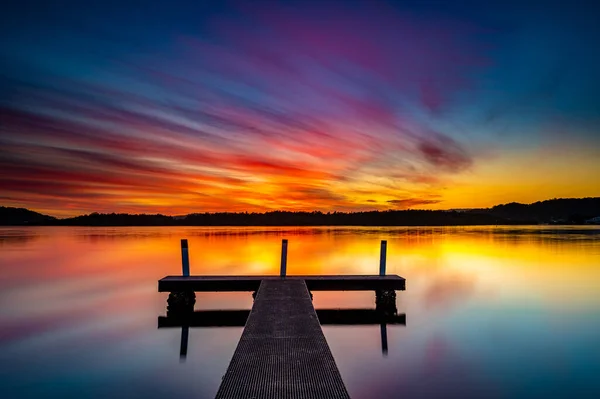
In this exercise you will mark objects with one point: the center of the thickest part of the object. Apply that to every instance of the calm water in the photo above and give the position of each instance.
(491, 312)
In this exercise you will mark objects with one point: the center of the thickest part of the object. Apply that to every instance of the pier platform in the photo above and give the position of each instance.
(282, 352)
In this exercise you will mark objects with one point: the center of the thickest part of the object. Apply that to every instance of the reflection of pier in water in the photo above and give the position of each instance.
(237, 318)
(282, 351)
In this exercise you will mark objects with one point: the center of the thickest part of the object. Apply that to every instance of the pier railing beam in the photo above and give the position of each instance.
(284, 245)
(382, 258)
(185, 258)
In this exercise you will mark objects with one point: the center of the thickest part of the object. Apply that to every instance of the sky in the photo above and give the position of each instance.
(204, 106)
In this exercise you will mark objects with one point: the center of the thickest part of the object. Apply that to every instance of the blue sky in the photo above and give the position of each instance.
(192, 106)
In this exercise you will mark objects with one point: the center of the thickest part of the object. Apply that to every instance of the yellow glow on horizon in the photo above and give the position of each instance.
(442, 266)
(524, 177)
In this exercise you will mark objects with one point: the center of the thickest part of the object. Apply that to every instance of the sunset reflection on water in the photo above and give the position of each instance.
(491, 311)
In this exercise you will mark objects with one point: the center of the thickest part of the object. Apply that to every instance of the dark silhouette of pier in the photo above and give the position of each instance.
(282, 352)
(237, 318)
(251, 283)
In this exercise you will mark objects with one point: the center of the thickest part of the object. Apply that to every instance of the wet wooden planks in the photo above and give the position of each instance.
(282, 352)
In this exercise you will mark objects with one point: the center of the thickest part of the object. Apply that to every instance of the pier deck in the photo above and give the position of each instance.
(282, 352)
(251, 283)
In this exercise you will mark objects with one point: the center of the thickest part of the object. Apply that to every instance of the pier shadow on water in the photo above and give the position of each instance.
(185, 317)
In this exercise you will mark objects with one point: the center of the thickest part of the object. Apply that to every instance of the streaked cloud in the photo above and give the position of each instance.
(337, 107)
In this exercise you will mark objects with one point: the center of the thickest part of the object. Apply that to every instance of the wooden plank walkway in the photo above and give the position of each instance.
(282, 352)
(251, 283)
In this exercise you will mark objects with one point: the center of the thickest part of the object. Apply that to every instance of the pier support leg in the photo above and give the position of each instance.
(181, 302)
(283, 269)
(185, 258)
(382, 257)
(385, 301)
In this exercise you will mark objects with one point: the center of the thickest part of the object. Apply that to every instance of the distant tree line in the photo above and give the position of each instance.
(371, 218)
(559, 211)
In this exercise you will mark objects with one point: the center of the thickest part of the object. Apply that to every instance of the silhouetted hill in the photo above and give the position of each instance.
(21, 216)
(567, 211)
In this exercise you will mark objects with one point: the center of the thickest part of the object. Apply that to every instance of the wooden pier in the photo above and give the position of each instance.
(282, 352)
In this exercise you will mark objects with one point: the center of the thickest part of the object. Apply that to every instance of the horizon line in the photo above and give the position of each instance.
(303, 211)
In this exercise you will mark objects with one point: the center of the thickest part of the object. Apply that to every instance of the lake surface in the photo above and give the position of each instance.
(494, 312)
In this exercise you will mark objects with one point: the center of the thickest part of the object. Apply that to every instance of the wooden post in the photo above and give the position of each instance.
(284, 244)
(185, 260)
(382, 257)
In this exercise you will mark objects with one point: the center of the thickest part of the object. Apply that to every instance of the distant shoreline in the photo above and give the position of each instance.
(566, 211)
(306, 225)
